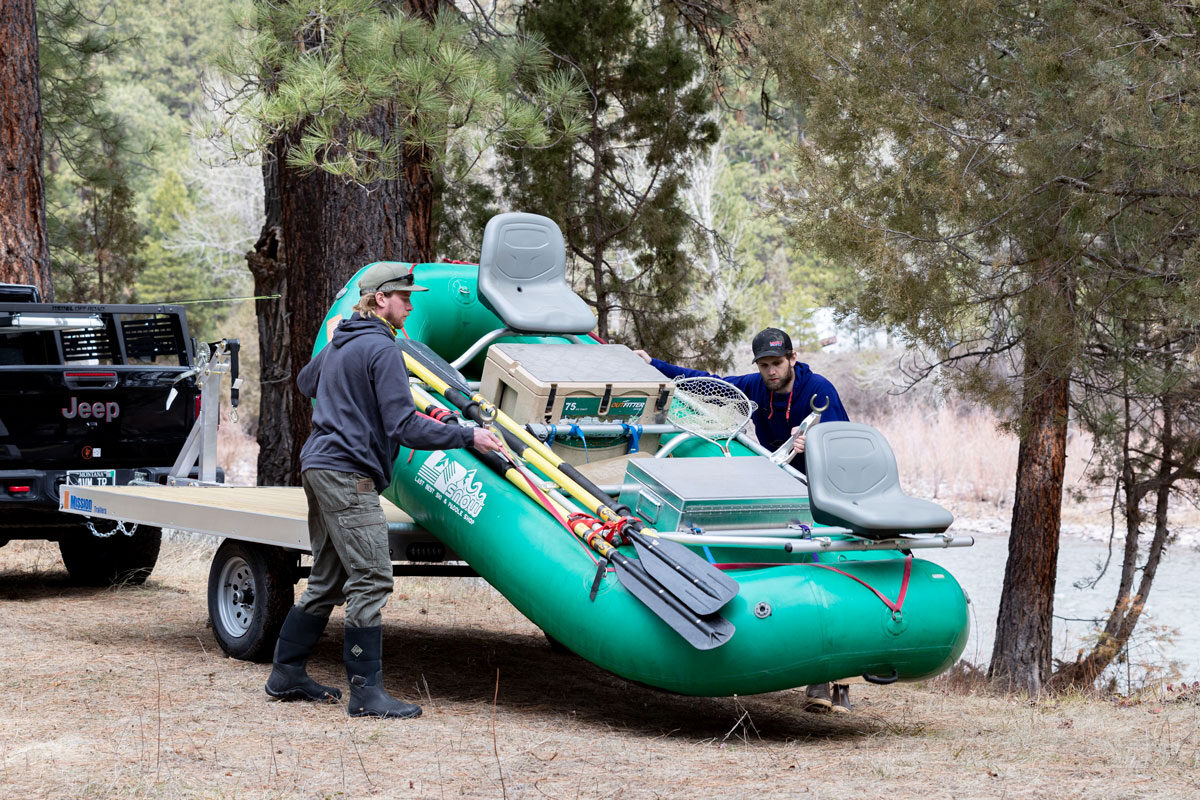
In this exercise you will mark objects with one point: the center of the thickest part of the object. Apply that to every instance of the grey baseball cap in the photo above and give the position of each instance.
(388, 276)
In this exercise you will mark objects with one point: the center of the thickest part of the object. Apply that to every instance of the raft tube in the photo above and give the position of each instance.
(796, 624)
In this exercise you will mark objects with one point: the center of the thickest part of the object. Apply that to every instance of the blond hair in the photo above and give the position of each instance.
(367, 305)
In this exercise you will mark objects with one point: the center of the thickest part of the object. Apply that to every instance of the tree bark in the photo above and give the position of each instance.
(24, 246)
(420, 190)
(275, 467)
(1128, 606)
(1022, 655)
(330, 229)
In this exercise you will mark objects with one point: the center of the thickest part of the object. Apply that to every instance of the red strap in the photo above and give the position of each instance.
(896, 606)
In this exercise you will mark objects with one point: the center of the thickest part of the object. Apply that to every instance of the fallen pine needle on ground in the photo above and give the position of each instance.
(124, 693)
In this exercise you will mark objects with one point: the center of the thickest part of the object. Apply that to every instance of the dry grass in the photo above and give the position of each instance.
(959, 453)
(123, 693)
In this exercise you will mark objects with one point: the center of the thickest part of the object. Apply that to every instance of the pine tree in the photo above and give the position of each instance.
(93, 230)
(359, 105)
(1007, 180)
(615, 191)
(24, 250)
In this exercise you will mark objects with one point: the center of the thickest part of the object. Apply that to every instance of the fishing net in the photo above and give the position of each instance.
(710, 408)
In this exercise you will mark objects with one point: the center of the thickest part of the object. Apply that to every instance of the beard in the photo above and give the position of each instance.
(777, 384)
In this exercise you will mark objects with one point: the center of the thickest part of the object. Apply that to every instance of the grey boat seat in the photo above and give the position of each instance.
(853, 483)
(523, 278)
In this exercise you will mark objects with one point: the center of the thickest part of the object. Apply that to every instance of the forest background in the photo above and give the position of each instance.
(142, 207)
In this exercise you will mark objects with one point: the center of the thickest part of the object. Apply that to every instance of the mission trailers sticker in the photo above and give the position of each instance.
(454, 484)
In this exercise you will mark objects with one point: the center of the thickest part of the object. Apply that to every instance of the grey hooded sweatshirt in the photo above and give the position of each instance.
(364, 412)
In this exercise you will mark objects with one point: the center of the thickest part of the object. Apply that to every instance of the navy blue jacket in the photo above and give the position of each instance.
(775, 416)
(364, 411)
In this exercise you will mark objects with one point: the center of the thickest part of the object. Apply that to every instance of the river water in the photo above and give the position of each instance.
(1169, 630)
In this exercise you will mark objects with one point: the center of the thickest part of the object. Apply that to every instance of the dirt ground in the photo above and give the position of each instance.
(124, 693)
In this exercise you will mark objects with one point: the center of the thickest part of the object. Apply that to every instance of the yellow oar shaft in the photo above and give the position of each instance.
(537, 452)
(423, 402)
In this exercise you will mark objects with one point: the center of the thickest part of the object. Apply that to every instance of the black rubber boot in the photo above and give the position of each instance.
(289, 680)
(363, 652)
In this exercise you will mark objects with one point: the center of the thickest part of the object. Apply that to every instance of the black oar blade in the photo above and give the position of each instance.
(698, 584)
(703, 632)
(426, 357)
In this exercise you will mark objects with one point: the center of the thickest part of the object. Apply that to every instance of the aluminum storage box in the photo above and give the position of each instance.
(712, 493)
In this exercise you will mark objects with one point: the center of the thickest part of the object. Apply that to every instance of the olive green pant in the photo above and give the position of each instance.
(351, 561)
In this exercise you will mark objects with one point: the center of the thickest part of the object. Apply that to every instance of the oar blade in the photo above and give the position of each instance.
(701, 587)
(426, 357)
(701, 631)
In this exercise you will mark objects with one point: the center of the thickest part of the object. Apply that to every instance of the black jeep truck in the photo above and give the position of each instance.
(83, 400)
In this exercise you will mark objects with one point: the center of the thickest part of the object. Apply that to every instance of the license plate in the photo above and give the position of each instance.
(92, 477)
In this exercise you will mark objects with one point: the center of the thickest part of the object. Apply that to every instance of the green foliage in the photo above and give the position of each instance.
(615, 191)
(328, 71)
(171, 275)
(89, 197)
(1017, 187)
(120, 80)
(993, 172)
(784, 282)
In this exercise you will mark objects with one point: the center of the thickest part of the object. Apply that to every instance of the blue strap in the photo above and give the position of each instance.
(635, 436)
(577, 431)
(708, 554)
(550, 438)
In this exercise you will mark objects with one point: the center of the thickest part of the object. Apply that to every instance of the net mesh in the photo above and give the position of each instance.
(709, 407)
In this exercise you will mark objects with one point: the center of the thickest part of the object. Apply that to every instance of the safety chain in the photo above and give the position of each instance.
(120, 527)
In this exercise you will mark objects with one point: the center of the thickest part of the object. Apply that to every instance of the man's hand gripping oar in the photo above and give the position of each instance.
(699, 585)
(703, 632)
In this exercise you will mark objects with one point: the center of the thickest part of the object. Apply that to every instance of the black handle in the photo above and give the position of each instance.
(234, 346)
(869, 678)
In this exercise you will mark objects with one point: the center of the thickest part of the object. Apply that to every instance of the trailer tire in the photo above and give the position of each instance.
(251, 588)
(116, 560)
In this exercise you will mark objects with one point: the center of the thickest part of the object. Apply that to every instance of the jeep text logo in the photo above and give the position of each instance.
(105, 411)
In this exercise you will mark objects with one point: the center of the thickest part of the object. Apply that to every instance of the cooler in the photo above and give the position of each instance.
(566, 384)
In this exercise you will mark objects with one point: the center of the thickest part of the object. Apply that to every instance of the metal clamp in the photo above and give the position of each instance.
(784, 453)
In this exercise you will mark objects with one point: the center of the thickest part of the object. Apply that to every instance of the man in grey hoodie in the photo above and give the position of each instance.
(364, 413)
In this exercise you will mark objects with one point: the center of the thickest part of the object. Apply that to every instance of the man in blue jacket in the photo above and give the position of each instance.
(785, 392)
(363, 415)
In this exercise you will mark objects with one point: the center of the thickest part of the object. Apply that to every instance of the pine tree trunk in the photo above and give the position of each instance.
(275, 467)
(24, 248)
(1021, 657)
(419, 187)
(419, 193)
(1128, 606)
(331, 229)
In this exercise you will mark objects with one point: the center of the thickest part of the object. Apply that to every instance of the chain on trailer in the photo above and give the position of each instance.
(120, 527)
(213, 362)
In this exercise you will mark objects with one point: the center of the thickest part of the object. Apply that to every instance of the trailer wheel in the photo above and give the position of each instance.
(250, 590)
(116, 560)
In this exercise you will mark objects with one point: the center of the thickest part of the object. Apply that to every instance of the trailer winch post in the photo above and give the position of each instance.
(199, 452)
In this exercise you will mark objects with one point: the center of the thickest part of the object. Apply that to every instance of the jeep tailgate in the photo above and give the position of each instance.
(93, 417)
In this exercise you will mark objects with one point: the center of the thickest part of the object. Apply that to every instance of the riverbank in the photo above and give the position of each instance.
(124, 693)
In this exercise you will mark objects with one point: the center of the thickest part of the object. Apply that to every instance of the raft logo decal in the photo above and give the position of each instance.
(454, 483)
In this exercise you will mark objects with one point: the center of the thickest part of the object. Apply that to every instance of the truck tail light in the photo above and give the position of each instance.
(18, 489)
(197, 410)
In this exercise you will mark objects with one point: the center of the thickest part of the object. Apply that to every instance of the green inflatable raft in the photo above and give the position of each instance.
(813, 583)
